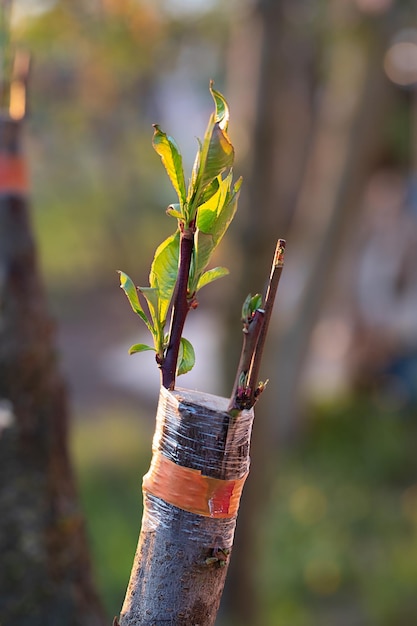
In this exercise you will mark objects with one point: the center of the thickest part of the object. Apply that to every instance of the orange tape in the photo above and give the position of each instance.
(13, 174)
(190, 490)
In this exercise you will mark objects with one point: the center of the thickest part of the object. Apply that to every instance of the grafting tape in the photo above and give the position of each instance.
(189, 489)
(200, 454)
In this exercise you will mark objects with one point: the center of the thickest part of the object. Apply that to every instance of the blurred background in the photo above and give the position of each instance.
(323, 98)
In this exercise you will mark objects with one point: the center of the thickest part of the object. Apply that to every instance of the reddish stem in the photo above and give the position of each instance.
(180, 308)
(247, 387)
(240, 393)
(271, 292)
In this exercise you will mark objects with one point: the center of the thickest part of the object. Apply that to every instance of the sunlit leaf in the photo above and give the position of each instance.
(171, 158)
(209, 206)
(186, 357)
(217, 156)
(227, 210)
(213, 219)
(129, 288)
(140, 347)
(210, 190)
(194, 173)
(207, 212)
(175, 211)
(164, 270)
(222, 109)
(152, 298)
(211, 275)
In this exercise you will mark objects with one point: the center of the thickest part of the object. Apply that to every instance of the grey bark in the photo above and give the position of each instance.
(182, 557)
(45, 577)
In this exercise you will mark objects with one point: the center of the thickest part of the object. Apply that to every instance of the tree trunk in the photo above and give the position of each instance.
(343, 152)
(280, 93)
(44, 567)
(191, 496)
(323, 162)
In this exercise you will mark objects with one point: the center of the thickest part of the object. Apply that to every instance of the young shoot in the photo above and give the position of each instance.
(203, 212)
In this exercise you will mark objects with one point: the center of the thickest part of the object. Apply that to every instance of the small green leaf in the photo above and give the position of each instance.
(209, 191)
(213, 219)
(129, 288)
(171, 158)
(227, 208)
(194, 173)
(222, 108)
(186, 357)
(164, 270)
(140, 347)
(250, 305)
(246, 314)
(217, 155)
(175, 211)
(207, 212)
(152, 298)
(255, 302)
(211, 275)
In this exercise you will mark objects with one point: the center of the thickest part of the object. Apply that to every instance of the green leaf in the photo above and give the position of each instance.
(250, 305)
(207, 212)
(203, 248)
(140, 347)
(227, 210)
(222, 108)
(210, 276)
(186, 357)
(216, 154)
(152, 298)
(213, 219)
(163, 274)
(246, 312)
(175, 211)
(210, 190)
(255, 302)
(171, 158)
(129, 288)
(194, 173)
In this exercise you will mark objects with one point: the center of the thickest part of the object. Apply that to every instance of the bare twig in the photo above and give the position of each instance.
(251, 331)
(247, 388)
(274, 278)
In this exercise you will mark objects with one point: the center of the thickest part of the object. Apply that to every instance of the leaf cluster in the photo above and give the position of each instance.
(204, 210)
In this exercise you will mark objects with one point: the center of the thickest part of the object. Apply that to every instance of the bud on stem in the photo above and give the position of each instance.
(247, 388)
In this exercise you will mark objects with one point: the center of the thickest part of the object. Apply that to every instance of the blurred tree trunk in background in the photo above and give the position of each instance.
(314, 204)
(45, 577)
(279, 92)
(347, 139)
